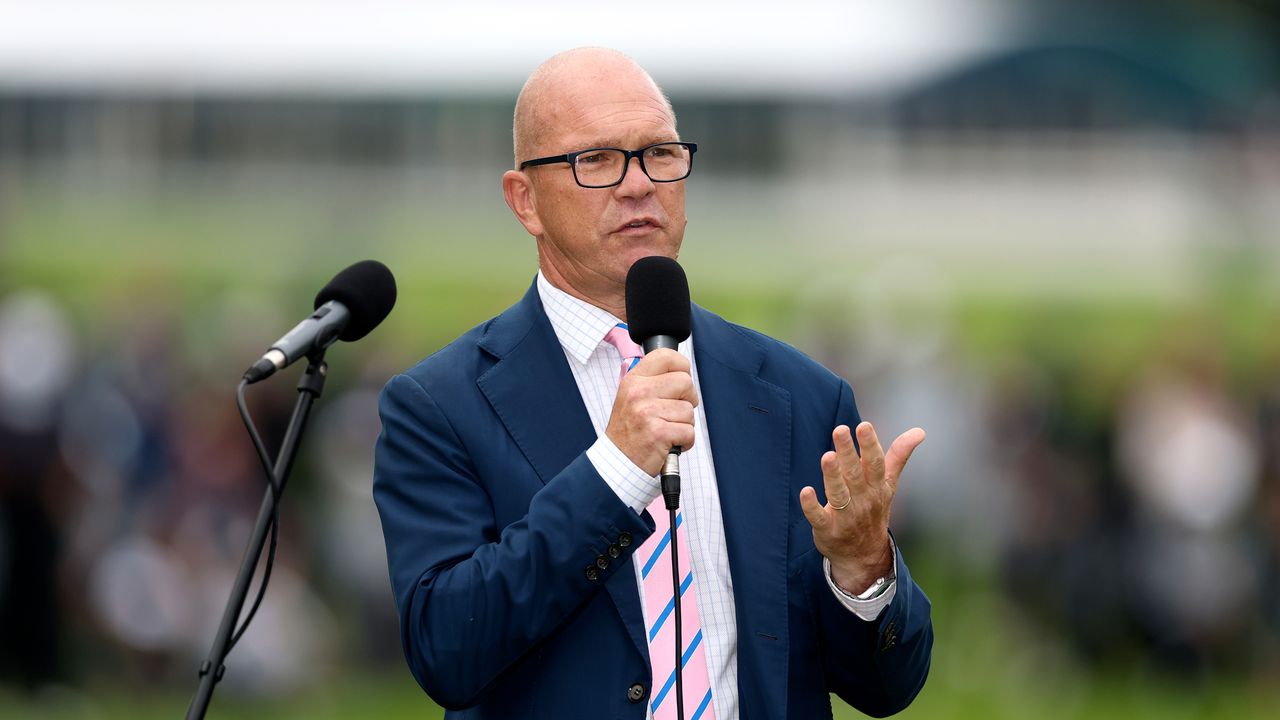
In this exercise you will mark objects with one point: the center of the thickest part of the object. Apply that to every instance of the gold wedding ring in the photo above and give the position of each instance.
(840, 507)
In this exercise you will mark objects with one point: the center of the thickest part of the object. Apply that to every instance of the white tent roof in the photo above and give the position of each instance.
(402, 47)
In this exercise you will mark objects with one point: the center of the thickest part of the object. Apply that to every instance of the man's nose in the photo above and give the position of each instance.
(635, 183)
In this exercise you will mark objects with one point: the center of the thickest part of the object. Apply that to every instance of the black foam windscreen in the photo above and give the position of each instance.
(657, 299)
(368, 289)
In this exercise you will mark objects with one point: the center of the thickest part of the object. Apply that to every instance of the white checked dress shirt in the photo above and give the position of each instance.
(581, 328)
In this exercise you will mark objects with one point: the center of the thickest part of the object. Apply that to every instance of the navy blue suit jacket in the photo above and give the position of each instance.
(494, 520)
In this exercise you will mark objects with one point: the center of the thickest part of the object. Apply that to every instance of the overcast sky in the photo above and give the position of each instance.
(399, 47)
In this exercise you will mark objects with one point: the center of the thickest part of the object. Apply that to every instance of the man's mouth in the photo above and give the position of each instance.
(638, 224)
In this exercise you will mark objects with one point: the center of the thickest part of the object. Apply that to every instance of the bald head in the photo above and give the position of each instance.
(557, 89)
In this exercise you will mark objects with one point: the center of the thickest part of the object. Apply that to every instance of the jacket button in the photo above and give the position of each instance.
(592, 573)
(602, 562)
(635, 693)
(625, 539)
(615, 551)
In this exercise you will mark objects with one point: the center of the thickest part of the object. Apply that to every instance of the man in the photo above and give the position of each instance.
(515, 467)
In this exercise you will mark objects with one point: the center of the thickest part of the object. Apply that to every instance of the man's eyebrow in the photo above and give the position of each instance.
(606, 142)
(615, 142)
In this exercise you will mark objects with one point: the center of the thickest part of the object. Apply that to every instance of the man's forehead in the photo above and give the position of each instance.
(612, 118)
(593, 90)
(608, 116)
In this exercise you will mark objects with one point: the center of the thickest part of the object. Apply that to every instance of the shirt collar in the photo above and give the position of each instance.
(579, 325)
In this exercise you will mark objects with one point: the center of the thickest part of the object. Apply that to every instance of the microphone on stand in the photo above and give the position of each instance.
(658, 316)
(354, 302)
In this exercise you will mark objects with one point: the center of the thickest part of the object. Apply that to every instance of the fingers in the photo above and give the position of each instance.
(900, 452)
(873, 464)
(665, 376)
(847, 452)
(669, 434)
(671, 386)
(813, 510)
(673, 423)
(833, 480)
(676, 411)
(660, 361)
(872, 453)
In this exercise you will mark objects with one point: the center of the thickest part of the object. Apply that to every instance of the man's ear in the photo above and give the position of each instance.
(518, 192)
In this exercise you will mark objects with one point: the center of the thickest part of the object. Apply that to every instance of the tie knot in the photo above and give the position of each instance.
(618, 337)
(630, 351)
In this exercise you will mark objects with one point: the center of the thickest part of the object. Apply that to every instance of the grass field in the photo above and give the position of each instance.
(990, 662)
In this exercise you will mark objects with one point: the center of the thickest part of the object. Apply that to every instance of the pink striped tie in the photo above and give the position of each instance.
(659, 597)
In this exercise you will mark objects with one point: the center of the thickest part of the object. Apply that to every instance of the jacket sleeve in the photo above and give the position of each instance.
(879, 666)
(472, 597)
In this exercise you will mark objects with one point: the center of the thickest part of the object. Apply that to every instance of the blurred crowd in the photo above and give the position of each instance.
(1142, 527)
(128, 490)
(1151, 536)
(1124, 510)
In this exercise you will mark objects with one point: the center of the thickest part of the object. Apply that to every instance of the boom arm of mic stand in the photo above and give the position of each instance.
(211, 670)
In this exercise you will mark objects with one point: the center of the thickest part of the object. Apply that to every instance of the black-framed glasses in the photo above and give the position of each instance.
(606, 167)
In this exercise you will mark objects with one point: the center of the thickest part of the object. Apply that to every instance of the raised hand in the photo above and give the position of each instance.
(852, 529)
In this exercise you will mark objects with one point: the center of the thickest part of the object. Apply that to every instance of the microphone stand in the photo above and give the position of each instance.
(671, 498)
(212, 669)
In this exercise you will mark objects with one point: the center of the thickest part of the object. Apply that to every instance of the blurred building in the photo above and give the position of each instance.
(1051, 130)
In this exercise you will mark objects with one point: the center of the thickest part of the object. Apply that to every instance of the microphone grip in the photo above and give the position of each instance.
(659, 341)
(671, 479)
(671, 470)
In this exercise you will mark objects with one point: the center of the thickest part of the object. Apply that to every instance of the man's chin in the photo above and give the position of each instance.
(636, 247)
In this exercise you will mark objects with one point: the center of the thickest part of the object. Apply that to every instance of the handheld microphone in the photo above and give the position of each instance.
(658, 316)
(354, 302)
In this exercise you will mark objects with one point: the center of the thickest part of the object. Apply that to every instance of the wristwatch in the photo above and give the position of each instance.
(878, 588)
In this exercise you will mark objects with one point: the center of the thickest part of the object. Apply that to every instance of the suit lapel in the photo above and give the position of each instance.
(749, 423)
(533, 392)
